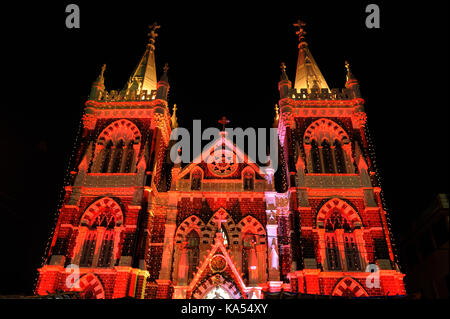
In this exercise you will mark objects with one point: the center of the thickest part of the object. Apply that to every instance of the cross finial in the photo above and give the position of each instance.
(301, 32)
(223, 121)
(166, 67)
(152, 35)
(220, 220)
(283, 66)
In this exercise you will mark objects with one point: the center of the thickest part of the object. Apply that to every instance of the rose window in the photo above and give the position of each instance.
(222, 163)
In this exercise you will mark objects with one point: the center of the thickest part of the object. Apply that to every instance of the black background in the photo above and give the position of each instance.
(224, 59)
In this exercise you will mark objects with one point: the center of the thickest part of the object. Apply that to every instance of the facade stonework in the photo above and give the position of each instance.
(134, 224)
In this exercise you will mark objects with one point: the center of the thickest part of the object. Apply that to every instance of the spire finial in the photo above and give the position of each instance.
(166, 67)
(152, 35)
(103, 70)
(301, 33)
(223, 121)
(350, 78)
(283, 67)
(174, 118)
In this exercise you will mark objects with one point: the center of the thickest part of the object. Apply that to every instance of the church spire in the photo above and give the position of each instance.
(144, 77)
(308, 75)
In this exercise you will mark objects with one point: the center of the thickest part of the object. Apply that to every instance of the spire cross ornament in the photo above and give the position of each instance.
(152, 35)
(220, 220)
(223, 121)
(166, 67)
(301, 32)
(283, 67)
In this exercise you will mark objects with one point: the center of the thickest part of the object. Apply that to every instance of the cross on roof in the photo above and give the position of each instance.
(220, 220)
(223, 121)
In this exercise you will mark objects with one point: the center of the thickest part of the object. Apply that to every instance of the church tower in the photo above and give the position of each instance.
(104, 224)
(340, 229)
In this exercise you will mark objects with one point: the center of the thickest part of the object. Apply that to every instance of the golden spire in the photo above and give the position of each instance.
(144, 77)
(174, 118)
(308, 75)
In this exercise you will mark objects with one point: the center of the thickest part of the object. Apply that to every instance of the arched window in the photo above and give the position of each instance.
(119, 136)
(88, 250)
(327, 157)
(193, 242)
(117, 161)
(106, 250)
(106, 157)
(196, 180)
(128, 158)
(101, 220)
(340, 158)
(249, 180)
(248, 253)
(324, 138)
(351, 253)
(332, 252)
(334, 222)
(315, 157)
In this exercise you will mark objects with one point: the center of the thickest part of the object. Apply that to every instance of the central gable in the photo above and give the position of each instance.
(222, 159)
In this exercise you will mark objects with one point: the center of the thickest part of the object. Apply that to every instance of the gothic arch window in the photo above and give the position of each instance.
(115, 149)
(340, 221)
(324, 142)
(196, 179)
(248, 177)
(249, 262)
(193, 242)
(340, 158)
(106, 158)
(102, 226)
(327, 157)
(117, 160)
(129, 155)
(315, 157)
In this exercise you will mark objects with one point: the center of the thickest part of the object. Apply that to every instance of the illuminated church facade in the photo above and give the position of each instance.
(136, 225)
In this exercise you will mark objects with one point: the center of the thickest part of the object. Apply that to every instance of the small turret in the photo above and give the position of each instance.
(98, 87)
(351, 82)
(163, 85)
(284, 85)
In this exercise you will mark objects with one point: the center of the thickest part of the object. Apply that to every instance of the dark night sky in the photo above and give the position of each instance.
(224, 60)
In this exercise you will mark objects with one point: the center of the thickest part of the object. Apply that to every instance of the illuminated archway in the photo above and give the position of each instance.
(349, 287)
(90, 287)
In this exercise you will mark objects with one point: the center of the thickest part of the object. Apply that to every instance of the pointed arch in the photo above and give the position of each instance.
(186, 226)
(345, 208)
(105, 207)
(90, 287)
(120, 130)
(248, 178)
(325, 129)
(250, 224)
(228, 224)
(349, 287)
(211, 283)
